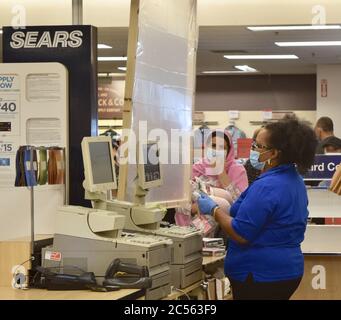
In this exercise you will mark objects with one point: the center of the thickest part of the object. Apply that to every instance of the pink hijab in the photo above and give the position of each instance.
(235, 171)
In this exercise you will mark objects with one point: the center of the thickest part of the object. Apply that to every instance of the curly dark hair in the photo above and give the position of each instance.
(295, 140)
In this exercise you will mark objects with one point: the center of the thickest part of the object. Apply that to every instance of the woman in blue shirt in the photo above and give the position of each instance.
(268, 221)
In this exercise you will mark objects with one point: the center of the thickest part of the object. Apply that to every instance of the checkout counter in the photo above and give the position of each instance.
(322, 249)
(91, 238)
(140, 217)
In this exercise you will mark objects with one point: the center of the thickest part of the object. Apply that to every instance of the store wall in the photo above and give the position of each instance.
(115, 13)
(35, 12)
(248, 94)
(222, 119)
(329, 98)
(277, 92)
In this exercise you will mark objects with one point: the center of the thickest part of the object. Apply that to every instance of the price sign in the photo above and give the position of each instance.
(6, 147)
(8, 106)
(9, 114)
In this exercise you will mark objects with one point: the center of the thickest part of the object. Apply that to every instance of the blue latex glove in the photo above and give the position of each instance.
(206, 204)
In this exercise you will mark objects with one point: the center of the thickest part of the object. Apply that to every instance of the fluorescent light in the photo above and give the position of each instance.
(308, 27)
(246, 68)
(106, 75)
(117, 74)
(0, 31)
(122, 68)
(308, 43)
(103, 46)
(223, 72)
(261, 56)
(112, 58)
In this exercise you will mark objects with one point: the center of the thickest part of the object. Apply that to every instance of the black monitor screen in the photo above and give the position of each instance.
(101, 165)
(151, 162)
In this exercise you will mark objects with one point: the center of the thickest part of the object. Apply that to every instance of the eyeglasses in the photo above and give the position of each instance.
(255, 145)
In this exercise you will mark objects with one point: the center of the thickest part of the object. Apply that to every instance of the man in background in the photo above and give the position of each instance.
(324, 129)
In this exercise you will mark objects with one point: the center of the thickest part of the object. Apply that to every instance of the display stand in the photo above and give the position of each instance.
(32, 149)
(35, 100)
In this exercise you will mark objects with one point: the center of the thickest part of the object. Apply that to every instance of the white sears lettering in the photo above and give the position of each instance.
(76, 38)
(45, 40)
(17, 40)
(60, 37)
(32, 39)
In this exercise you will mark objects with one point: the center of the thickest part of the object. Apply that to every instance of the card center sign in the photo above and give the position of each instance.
(324, 167)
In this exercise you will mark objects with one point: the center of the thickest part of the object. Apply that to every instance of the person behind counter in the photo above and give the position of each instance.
(268, 221)
(324, 129)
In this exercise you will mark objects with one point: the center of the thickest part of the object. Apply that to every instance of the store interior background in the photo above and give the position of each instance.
(279, 85)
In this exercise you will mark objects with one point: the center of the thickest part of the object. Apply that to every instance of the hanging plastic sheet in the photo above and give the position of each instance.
(163, 92)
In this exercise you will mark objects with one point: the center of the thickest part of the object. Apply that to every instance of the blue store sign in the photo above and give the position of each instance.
(324, 167)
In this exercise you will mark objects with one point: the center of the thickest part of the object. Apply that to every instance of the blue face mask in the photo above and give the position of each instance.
(254, 160)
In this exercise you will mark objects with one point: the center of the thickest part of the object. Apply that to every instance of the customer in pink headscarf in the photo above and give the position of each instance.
(218, 174)
(219, 170)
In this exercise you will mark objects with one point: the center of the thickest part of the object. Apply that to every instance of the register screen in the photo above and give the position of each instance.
(101, 162)
(151, 162)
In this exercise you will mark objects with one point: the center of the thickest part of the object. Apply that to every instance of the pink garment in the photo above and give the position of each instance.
(222, 203)
(235, 171)
(221, 193)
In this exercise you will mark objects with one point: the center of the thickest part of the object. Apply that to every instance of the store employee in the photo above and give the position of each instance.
(268, 221)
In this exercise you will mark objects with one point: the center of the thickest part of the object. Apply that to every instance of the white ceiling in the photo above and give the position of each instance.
(226, 39)
(231, 40)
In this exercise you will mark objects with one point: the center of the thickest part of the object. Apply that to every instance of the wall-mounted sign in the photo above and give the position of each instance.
(324, 88)
(243, 148)
(324, 167)
(233, 114)
(111, 99)
(267, 114)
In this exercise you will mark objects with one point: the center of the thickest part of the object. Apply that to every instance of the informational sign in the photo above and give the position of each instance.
(9, 105)
(243, 148)
(44, 131)
(198, 117)
(8, 148)
(267, 114)
(43, 87)
(9, 126)
(111, 100)
(233, 114)
(324, 88)
(324, 167)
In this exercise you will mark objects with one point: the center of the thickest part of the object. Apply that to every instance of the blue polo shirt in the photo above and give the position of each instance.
(272, 216)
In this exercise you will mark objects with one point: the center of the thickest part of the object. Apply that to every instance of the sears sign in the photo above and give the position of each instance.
(46, 39)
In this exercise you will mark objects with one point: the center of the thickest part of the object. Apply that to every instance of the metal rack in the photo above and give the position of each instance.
(32, 213)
